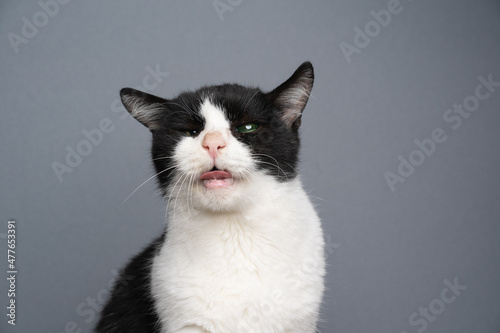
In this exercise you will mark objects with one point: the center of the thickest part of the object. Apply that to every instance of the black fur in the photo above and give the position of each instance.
(131, 306)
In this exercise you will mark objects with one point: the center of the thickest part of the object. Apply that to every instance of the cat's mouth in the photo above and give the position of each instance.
(216, 179)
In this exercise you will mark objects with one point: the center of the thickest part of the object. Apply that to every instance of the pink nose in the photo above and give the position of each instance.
(212, 142)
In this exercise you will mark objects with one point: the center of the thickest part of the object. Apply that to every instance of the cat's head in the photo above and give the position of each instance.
(218, 144)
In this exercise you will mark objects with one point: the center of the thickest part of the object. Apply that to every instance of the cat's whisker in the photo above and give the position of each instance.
(293, 168)
(174, 193)
(250, 99)
(269, 163)
(147, 180)
(316, 198)
(171, 192)
(189, 187)
(185, 109)
(184, 177)
(248, 174)
(191, 181)
(188, 194)
(245, 176)
(176, 197)
(181, 112)
(266, 155)
(162, 158)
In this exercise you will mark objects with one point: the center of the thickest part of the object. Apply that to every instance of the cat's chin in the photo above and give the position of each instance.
(220, 200)
(224, 194)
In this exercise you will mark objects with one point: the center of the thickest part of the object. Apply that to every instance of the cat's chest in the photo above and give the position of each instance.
(228, 276)
(225, 272)
(222, 260)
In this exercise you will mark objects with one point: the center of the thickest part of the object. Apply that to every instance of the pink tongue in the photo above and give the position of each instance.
(216, 179)
(215, 175)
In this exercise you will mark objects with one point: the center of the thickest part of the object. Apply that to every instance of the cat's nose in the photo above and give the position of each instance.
(212, 142)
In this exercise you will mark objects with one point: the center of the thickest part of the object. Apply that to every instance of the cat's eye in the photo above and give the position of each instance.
(190, 132)
(247, 128)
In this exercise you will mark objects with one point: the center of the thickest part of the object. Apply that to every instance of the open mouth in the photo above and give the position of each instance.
(216, 179)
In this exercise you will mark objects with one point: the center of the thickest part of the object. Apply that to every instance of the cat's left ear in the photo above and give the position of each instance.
(292, 95)
(145, 108)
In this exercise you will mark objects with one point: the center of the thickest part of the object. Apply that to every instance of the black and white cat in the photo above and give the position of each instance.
(243, 246)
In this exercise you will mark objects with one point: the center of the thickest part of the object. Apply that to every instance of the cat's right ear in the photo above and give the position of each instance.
(146, 108)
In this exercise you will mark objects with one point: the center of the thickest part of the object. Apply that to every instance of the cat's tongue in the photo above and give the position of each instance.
(216, 179)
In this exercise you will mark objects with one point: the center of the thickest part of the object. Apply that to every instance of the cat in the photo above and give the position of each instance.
(243, 247)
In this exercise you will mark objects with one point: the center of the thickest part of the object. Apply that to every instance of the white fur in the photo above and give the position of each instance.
(237, 260)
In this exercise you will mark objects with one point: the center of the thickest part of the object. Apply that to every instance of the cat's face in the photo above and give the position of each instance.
(215, 146)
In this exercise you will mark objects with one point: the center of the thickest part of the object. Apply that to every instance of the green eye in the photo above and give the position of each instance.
(247, 128)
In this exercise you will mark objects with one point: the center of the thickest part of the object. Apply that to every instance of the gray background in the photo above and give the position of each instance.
(389, 252)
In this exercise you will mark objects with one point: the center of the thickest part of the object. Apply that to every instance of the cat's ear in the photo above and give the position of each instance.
(146, 108)
(292, 95)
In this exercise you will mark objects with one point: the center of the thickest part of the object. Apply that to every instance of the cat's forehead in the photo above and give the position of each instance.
(222, 107)
(214, 116)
